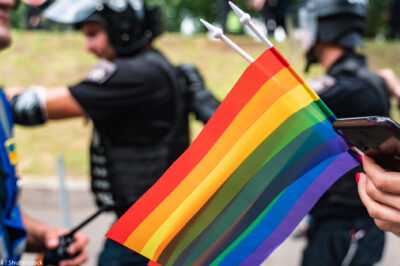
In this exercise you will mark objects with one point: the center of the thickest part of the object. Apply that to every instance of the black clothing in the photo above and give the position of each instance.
(274, 10)
(353, 95)
(330, 243)
(141, 125)
(115, 254)
(349, 89)
(139, 106)
(394, 20)
(133, 107)
(224, 10)
(34, 20)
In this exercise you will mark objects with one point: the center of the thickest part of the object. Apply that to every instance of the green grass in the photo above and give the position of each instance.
(52, 59)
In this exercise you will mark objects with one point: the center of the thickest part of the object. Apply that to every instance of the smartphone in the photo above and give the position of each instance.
(378, 137)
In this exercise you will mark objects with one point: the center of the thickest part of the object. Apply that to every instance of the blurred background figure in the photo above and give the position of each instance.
(273, 13)
(34, 18)
(340, 230)
(394, 20)
(33, 13)
(224, 11)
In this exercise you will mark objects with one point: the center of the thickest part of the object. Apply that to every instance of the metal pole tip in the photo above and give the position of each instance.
(240, 13)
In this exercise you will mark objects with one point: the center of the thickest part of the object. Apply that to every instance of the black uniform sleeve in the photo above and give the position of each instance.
(110, 93)
(201, 100)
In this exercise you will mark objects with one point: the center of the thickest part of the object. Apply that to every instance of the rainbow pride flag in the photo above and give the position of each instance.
(257, 168)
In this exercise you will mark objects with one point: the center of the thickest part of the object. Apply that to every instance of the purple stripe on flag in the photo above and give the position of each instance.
(333, 172)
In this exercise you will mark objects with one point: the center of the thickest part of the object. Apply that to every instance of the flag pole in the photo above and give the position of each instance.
(245, 19)
(218, 34)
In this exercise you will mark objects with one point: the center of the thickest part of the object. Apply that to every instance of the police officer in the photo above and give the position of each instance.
(272, 11)
(341, 231)
(19, 232)
(138, 102)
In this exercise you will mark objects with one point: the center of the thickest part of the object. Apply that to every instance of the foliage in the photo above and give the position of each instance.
(18, 17)
(176, 10)
(377, 22)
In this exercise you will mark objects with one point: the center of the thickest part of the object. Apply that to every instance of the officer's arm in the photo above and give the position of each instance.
(201, 101)
(35, 105)
(61, 104)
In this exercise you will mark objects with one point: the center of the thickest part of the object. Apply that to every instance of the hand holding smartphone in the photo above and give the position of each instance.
(378, 137)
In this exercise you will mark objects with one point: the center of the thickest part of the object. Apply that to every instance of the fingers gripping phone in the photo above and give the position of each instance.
(378, 137)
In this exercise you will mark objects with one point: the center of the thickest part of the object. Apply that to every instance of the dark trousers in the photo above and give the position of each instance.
(329, 242)
(115, 254)
(224, 10)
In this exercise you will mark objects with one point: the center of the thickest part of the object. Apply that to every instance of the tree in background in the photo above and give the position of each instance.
(377, 21)
(177, 10)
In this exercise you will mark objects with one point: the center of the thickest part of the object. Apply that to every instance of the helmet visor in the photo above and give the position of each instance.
(77, 11)
(72, 11)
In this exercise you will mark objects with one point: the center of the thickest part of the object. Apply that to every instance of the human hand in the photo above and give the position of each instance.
(77, 247)
(391, 80)
(379, 190)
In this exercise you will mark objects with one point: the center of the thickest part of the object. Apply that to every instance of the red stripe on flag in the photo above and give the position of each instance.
(153, 263)
(279, 56)
(266, 66)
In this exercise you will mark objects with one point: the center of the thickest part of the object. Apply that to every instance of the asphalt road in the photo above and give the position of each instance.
(41, 200)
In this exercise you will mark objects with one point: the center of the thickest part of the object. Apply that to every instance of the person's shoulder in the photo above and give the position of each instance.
(145, 58)
(102, 72)
(323, 83)
(139, 65)
(360, 82)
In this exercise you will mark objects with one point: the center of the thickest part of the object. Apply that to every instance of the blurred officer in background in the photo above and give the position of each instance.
(224, 10)
(19, 232)
(34, 10)
(272, 11)
(341, 231)
(394, 19)
(138, 102)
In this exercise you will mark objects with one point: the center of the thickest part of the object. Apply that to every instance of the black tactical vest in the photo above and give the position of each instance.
(123, 174)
